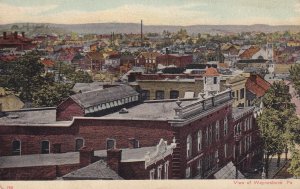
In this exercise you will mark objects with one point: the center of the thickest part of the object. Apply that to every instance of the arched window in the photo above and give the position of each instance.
(79, 144)
(45, 147)
(16, 148)
(189, 146)
(159, 95)
(217, 130)
(199, 137)
(225, 126)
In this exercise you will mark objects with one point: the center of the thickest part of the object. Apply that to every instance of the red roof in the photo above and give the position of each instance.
(257, 85)
(48, 63)
(247, 54)
(211, 72)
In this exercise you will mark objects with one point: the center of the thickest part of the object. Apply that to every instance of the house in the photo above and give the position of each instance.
(147, 60)
(256, 87)
(15, 41)
(97, 102)
(94, 61)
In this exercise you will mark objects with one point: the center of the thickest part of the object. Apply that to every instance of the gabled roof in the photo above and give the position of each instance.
(248, 53)
(96, 97)
(95, 171)
(257, 85)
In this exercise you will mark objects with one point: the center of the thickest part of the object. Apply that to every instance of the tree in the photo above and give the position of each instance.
(272, 137)
(295, 164)
(24, 76)
(52, 95)
(295, 77)
(279, 98)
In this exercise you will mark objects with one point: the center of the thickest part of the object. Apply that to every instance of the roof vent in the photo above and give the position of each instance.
(123, 111)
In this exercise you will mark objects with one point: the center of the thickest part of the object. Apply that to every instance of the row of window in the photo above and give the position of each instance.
(112, 104)
(204, 164)
(239, 127)
(237, 92)
(162, 172)
(208, 133)
(79, 143)
(159, 94)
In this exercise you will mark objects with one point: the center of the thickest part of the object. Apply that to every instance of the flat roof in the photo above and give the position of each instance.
(39, 160)
(33, 115)
(156, 110)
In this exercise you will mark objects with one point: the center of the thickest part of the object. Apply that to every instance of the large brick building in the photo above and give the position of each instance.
(203, 129)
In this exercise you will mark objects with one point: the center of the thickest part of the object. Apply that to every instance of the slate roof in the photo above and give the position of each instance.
(228, 172)
(95, 171)
(247, 54)
(96, 97)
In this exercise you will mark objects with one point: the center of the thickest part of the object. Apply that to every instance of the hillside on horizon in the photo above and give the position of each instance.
(105, 28)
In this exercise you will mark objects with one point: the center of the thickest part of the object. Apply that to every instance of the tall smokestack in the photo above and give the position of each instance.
(141, 30)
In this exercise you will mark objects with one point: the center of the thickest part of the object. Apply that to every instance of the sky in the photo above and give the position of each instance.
(153, 12)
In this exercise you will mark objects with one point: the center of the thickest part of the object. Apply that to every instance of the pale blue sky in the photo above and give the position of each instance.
(166, 12)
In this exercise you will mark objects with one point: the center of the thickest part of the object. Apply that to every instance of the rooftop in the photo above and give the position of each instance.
(211, 72)
(95, 171)
(39, 160)
(240, 111)
(33, 115)
(155, 110)
(97, 97)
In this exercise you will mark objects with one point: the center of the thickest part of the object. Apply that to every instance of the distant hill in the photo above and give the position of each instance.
(105, 28)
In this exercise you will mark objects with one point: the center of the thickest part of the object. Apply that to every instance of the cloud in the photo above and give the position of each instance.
(11, 14)
(183, 14)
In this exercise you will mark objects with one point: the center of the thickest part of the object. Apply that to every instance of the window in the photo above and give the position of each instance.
(225, 126)
(45, 147)
(151, 173)
(215, 80)
(210, 134)
(225, 150)
(232, 94)
(166, 170)
(79, 144)
(217, 130)
(216, 157)
(205, 80)
(206, 138)
(199, 139)
(188, 172)
(16, 148)
(110, 144)
(199, 167)
(237, 94)
(145, 95)
(159, 169)
(159, 95)
(242, 93)
(133, 143)
(174, 94)
(189, 146)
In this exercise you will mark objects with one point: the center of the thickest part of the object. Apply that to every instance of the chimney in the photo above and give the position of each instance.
(4, 35)
(16, 35)
(141, 31)
(23, 34)
(114, 157)
(86, 155)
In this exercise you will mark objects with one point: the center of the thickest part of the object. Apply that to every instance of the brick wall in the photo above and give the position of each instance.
(94, 133)
(68, 109)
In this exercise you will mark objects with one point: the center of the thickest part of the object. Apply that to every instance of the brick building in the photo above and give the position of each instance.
(203, 129)
(15, 41)
(179, 60)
